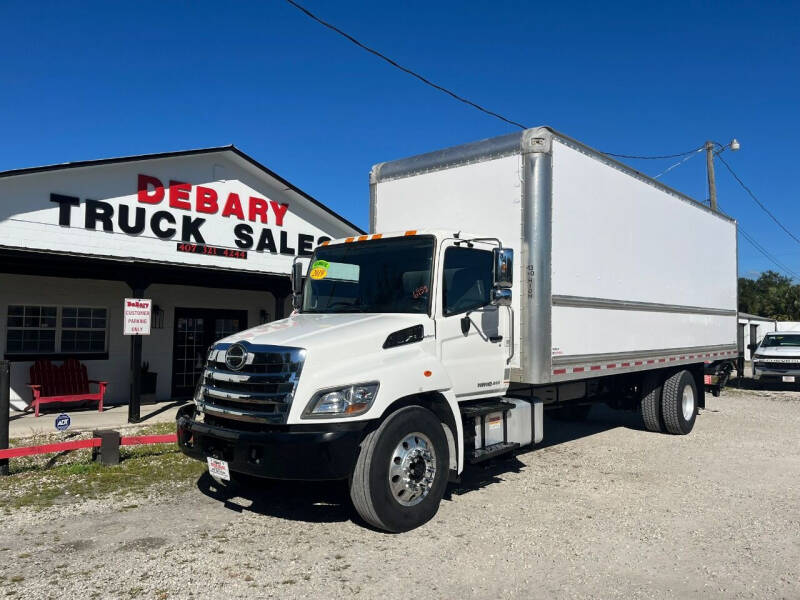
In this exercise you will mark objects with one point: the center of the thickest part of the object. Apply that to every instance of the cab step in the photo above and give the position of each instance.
(481, 454)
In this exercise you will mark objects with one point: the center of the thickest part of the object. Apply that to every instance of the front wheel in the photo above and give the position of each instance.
(401, 472)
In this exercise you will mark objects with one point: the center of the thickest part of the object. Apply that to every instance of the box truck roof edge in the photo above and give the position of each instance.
(535, 139)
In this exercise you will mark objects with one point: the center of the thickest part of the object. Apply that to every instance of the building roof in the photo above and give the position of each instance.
(755, 317)
(230, 148)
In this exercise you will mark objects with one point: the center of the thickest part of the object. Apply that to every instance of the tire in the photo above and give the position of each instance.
(679, 403)
(572, 413)
(376, 488)
(651, 403)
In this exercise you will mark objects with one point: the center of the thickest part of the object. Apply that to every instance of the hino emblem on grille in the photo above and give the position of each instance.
(236, 357)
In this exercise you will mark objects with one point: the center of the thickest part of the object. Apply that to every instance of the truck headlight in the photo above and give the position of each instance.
(347, 401)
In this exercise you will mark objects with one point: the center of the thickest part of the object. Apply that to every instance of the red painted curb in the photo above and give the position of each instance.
(48, 448)
(136, 440)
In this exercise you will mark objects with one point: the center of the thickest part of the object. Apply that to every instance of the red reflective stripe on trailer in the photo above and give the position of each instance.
(559, 371)
(361, 238)
(137, 440)
(651, 361)
(611, 366)
(626, 364)
(671, 358)
(595, 367)
(49, 448)
(637, 363)
(577, 370)
(662, 360)
(682, 358)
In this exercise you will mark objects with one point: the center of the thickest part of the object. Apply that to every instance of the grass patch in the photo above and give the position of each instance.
(141, 468)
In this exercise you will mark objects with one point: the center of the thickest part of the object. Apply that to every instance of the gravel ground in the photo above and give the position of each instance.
(603, 510)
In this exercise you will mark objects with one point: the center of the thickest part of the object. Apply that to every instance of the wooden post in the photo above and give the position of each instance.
(134, 403)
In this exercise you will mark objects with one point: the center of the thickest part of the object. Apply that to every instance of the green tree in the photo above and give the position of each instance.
(771, 295)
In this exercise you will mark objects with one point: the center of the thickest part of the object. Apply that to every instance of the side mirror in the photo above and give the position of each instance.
(503, 267)
(297, 283)
(501, 296)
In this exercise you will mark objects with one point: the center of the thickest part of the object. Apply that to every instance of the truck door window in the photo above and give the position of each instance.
(467, 279)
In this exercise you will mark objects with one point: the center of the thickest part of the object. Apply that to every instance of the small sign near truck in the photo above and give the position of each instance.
(136, 316)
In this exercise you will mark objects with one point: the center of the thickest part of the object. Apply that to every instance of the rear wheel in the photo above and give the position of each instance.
(679, 403)
(651, 403)
(401, 472)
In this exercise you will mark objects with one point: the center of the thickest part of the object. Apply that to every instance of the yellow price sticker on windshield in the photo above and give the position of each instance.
(319, 270)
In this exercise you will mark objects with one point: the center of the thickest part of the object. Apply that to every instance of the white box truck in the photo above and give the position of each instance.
(500, 278)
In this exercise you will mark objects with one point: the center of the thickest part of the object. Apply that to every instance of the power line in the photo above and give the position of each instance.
(451, 93)
(757, 201)
(767, 254)
(402, 68)
(679, 163)
(655, 157)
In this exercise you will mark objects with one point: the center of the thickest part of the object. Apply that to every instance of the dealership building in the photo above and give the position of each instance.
(208, 235)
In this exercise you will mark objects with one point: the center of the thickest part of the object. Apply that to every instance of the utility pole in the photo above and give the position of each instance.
(712, 184)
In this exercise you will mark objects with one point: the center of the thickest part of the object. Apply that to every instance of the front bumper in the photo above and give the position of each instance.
(766, 373)
(308, 452)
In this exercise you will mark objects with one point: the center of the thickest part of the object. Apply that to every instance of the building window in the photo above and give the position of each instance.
(83, 329)
(31, 329)
(52, 329)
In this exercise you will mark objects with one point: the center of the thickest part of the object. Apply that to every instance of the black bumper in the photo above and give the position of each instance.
(307, 452)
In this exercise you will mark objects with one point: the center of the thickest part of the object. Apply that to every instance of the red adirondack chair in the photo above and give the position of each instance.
(67, 383)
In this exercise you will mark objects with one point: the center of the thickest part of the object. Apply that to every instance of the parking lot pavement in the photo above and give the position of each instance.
(87, 419)
(602, 509)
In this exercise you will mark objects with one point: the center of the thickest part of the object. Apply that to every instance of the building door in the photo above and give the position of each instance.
(753, 340)
(195, 330)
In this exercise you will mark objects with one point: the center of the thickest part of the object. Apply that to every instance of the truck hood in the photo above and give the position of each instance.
(778, 351)
(310, 330)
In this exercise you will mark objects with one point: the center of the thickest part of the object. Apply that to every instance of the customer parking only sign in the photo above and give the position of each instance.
(137, 316)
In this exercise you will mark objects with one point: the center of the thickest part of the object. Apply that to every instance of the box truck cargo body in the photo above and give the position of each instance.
(609, 273)
(499, 278)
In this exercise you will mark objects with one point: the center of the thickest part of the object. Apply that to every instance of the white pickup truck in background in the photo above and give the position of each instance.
(500, 278)
(777, 358)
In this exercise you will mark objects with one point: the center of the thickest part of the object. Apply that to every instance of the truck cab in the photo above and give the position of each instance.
(390, 333)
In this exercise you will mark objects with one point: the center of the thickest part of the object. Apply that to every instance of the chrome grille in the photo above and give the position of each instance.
(777, 365)
(261, 392)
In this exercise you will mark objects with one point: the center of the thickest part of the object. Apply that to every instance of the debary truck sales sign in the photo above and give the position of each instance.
(212, 209)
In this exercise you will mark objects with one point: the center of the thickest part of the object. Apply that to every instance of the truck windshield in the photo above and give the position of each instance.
(375, 276)
(772, 341)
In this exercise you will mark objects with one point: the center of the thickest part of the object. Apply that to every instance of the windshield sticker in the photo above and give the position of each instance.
(319, 270)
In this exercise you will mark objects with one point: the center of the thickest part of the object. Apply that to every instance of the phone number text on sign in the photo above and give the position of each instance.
(211, 250)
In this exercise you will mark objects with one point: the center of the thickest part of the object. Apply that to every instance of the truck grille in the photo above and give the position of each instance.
(778, 365)
(260, 392)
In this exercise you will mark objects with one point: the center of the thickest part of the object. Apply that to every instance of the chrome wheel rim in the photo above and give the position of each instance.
(687, 403)
(412, 469)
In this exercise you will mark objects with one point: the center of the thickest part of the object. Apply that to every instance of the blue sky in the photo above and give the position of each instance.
(98, 79)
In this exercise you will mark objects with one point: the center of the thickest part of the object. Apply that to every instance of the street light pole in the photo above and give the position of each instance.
(712, 183)
(734, 145)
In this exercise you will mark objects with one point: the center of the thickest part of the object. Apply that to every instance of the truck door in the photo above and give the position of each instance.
(469, 329)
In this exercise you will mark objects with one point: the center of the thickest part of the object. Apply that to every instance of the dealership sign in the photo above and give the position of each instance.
(206, 209)
(183, 209)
